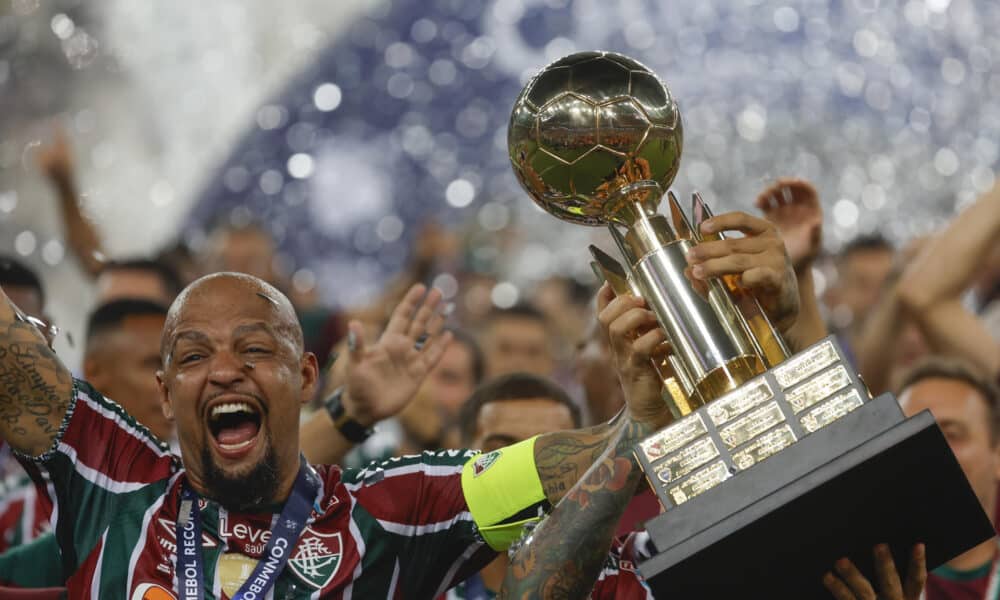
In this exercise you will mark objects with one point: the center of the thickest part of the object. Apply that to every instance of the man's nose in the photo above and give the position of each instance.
(227, 369)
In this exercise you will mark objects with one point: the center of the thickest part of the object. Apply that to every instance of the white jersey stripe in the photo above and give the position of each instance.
(359, 542)
(393, 582)
(123, 424)
(28, 516)
(140, 545)
(95, 581)
(51, 487)
(429, 470)
(96, 477)
(410, 530)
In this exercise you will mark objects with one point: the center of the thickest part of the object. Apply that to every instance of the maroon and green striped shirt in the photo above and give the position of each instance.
(400, 528)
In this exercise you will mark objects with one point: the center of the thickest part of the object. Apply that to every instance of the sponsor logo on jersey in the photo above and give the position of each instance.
(484, 462)
(317, 557)
(152, 591)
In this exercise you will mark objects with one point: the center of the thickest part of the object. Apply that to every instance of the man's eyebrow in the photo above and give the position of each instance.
(254, 328)
(195, 336)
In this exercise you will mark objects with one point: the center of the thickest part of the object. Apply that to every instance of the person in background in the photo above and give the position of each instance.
(932, 287)
(567, 305)
(24, 288)
(137, 278)
(427, 422)
(922, 309)
(122, 356)
(503, 411)
(966, 404)
(862, 267)
(517, 340)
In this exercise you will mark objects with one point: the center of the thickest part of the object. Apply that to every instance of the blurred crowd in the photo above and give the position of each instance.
(920, 320)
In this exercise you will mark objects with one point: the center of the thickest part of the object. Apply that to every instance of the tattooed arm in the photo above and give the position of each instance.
(565, 553)
(35, 387)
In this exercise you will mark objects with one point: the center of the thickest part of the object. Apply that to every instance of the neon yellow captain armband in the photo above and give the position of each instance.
(503, 492)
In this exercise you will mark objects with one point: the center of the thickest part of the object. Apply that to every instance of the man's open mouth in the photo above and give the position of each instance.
(234, 425)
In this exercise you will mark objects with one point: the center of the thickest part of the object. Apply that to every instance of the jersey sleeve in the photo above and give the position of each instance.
(413, 507)
(99, 457)
(619, 578)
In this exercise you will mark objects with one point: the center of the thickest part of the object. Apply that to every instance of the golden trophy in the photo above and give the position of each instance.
(770, 454)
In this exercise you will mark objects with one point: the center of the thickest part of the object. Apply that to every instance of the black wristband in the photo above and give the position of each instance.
(348, 427)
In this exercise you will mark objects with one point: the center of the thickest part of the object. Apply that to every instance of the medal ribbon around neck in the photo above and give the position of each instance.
(284, 537)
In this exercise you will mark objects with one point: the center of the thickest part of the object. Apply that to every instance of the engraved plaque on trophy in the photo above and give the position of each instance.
(770, 454)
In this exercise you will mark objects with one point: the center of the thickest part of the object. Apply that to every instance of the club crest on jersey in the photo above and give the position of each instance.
(485, 462)
(317, 557)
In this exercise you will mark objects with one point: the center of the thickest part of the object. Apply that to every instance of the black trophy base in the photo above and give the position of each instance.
(870, 478)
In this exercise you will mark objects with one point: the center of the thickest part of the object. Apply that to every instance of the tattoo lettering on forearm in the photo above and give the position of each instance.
(567, 550)
(35, 388)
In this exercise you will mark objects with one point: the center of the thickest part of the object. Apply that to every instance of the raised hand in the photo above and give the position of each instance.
(793, 206)
(382, 377)
(850, 584)
(634, 335)
(759, 259)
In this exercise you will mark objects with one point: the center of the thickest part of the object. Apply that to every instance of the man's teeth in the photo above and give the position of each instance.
(231, 407)
(236, 446)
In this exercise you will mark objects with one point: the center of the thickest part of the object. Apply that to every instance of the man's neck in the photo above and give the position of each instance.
(977, 557)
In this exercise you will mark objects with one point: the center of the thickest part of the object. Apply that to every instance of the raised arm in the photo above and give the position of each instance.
(564, 555)
(35, 387)
(56, 161)
(379, 379)
(794, 208)
(931, 287)
(946, 266)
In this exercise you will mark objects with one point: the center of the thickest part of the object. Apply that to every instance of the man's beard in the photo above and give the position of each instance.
(247, 493)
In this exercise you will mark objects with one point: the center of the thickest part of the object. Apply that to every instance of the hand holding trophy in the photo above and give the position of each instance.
(771, 457)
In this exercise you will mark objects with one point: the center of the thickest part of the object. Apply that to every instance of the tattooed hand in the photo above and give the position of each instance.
(35, 388)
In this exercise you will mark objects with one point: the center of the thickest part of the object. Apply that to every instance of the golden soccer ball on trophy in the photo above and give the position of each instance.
(588, 125)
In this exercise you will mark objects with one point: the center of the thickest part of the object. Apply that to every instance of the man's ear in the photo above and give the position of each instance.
(310, 376)
(165, 405)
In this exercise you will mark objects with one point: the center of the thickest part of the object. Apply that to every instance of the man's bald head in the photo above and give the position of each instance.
(222, 288)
